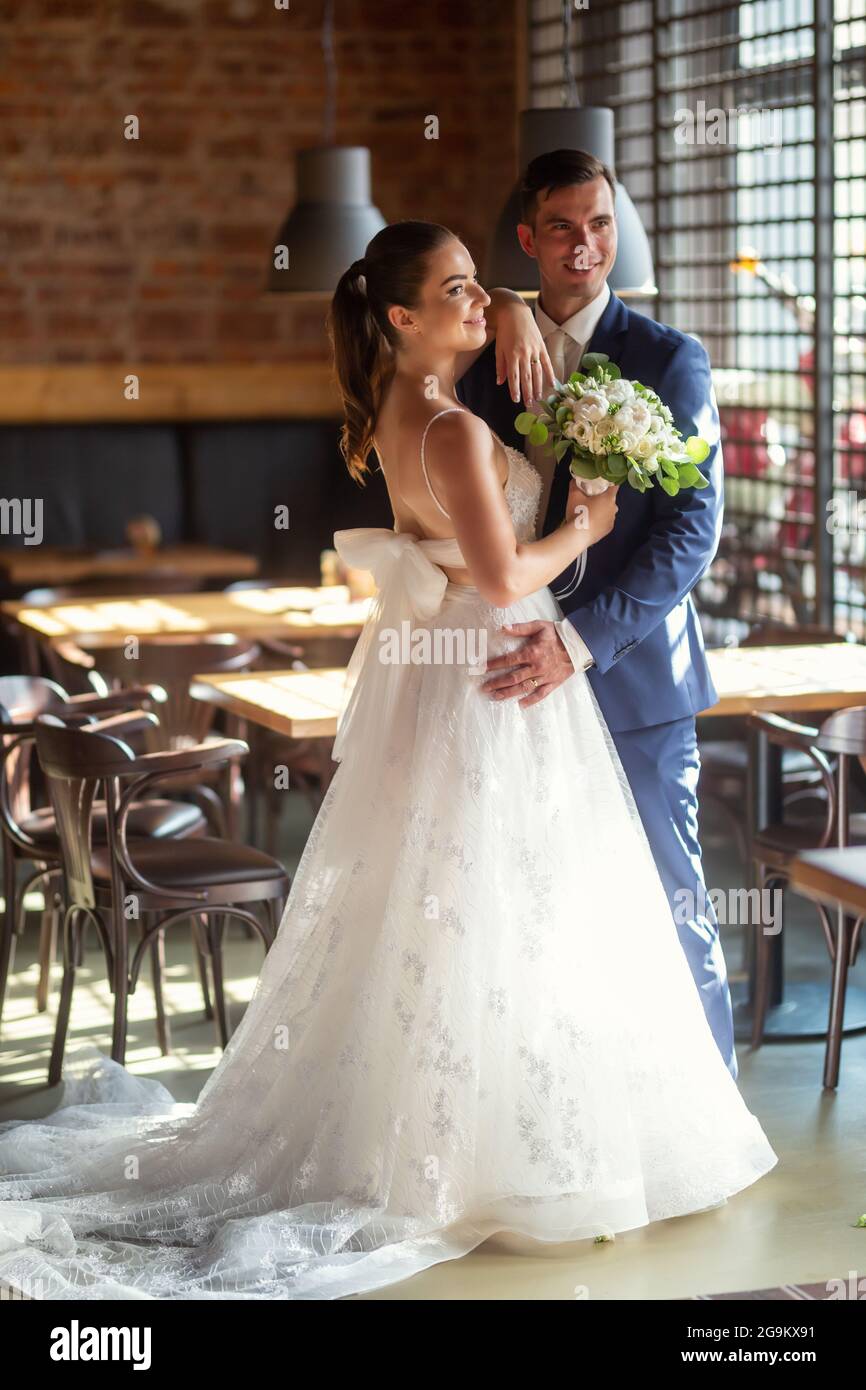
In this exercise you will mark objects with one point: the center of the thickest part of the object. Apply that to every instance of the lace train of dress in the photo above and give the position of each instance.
(476, 1018)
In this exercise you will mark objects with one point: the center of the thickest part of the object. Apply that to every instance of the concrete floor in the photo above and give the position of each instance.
(795, 1225)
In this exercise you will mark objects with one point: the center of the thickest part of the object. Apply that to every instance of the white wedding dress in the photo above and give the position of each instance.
(476, 1016)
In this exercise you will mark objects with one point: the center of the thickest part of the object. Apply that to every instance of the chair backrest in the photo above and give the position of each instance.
(75, 762)
(844, 731)
(22, 699)
(171, 662)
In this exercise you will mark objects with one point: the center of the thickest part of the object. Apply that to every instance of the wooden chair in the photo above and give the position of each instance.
(170, 662)
(774, 847)
(28, 829)
(204, 880)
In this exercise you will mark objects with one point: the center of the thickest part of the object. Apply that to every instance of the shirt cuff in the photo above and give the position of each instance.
(581, 656)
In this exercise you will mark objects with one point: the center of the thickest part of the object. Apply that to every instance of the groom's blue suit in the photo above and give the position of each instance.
(634, 610)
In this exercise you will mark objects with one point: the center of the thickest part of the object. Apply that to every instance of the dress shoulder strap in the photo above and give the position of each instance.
(447, 411)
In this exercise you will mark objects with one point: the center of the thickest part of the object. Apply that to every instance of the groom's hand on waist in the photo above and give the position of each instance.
(542, 658)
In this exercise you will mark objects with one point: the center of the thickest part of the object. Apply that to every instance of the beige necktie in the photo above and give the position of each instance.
(556, 343)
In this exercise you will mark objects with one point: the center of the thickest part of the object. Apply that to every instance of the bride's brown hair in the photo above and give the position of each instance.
(392, 271)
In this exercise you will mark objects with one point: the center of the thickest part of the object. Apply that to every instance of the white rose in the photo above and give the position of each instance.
(620, 391)
(581, 432)
(591, 407)
(633, 418)
(628, 442)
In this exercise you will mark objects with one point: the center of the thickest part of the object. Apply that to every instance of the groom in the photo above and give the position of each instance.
(631, 621)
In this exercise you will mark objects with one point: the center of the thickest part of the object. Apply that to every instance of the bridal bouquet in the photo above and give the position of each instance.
(615, 430)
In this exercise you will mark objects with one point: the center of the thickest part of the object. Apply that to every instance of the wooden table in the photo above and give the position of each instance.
(299, 704)
(292, 614)
(821, 677)
(44, 566)
(806, 683)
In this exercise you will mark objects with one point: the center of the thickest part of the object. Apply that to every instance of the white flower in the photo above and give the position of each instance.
(633, 419)
(591, 407)
(620, 391)
(597, 435)
(581, 432)
(645, 449)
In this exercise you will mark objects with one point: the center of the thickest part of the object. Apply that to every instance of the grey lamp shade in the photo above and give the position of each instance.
(587, 128)
(330, 224)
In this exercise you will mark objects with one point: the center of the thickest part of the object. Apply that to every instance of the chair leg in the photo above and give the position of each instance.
(71, 951)
(216, 929)
(47, 947)
(201, 961)
(833, 1052)
(7, 926)
(157, 967)
(121, 990)
(761, 1001)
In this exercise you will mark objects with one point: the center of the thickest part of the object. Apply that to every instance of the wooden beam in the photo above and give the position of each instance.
(95, 392)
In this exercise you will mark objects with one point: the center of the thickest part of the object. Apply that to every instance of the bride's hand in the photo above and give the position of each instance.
(521, 357)
(593, 515)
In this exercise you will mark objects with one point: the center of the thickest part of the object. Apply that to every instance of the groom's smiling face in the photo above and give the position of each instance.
(573, 239)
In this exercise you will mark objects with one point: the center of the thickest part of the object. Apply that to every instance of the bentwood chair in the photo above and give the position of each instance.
(28, 829)
(774, 847)
(170, 662)
(132, 878)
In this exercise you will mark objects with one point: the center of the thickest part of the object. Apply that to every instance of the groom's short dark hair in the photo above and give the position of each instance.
(558, 169)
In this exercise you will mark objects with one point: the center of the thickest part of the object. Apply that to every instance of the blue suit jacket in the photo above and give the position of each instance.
(634, 607)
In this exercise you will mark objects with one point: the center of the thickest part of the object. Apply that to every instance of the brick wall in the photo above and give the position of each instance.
(156, 249)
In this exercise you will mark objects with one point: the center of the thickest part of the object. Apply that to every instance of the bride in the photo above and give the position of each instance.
(476, 1020)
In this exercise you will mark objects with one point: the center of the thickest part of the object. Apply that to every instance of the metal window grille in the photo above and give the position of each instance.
(741, 137)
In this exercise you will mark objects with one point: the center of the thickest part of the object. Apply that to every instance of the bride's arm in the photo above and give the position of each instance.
(461, 460)
(521, 357)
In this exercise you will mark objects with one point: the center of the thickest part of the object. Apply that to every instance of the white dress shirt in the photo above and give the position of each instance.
(566, 343)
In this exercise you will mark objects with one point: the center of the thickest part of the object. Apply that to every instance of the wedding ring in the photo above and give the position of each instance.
(531, 682)
(535, 359)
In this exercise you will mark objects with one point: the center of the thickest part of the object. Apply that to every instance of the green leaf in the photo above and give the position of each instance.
(591, 360)
(636, 480)
(670, 468)
(525, 422)
(613, 370)
(581, 469)
(618, 467)
(697, 448)
(689, 475)
(563, 413)
(702, 481)
(538, 433)
(670, 486)
(560, 448)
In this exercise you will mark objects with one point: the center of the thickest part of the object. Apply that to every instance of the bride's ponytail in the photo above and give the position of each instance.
(392, 271)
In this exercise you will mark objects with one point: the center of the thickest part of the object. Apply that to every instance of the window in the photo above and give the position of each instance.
(741, 134)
